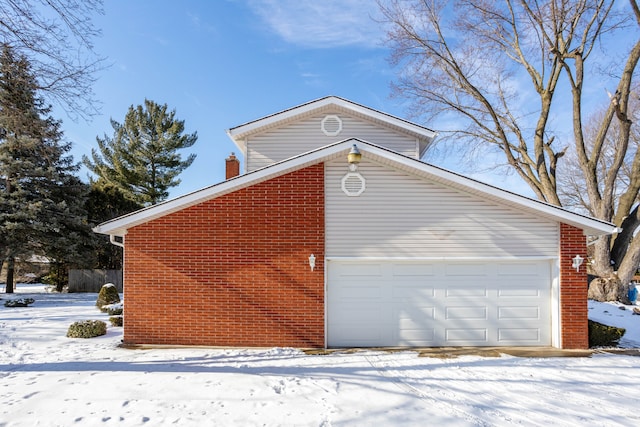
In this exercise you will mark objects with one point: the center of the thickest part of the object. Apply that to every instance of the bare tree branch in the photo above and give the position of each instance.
(57, 37)
(500, 70)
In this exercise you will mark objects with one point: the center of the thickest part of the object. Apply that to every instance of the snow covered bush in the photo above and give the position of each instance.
(113, 309)
(115, 320)
(87, 329)
(20, 302)
(604, 336)
(108, 295)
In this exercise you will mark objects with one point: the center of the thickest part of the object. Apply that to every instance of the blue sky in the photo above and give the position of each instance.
(225, 62)
(222, 63)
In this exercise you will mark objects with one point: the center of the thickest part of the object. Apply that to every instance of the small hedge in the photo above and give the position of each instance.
(115, 320)
(87, 329)
(108, 295)
(604, 336)
(113, 309)
(20, 302)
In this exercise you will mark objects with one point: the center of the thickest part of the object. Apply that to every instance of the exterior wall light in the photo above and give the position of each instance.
(312, 261)
(354, 158)
(577, 262)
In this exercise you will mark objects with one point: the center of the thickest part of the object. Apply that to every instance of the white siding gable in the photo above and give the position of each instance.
(304, 135)
(402, 215)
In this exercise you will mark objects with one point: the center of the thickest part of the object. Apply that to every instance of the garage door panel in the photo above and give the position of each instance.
(413, 316)
(471, 269)
(413, 270)
(518, 269)
(438, 304)
(362, 291)
(467, 336)
(416, 337)
(360, 313)
(519, 292)
(513, 313)
(418, 290)
(465, 292)
(357, 336)
(466, 313)
(358, 270)
(518, 336)
(415, 325)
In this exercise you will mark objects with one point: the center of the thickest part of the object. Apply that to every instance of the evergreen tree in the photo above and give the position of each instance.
(142, 158)
(41, 200)
(105, 202)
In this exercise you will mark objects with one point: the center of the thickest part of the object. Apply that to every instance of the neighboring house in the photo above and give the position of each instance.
(307, 250)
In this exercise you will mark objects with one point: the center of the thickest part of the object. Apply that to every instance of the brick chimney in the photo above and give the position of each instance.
(232, 166)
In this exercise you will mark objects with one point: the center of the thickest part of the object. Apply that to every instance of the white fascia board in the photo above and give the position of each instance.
(120, 225)
(590, 226)
(237, 134)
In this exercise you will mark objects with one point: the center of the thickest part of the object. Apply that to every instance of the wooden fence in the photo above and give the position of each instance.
(93, 280)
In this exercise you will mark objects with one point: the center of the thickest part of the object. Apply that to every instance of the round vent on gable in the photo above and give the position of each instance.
(353, 184)
(331, 125)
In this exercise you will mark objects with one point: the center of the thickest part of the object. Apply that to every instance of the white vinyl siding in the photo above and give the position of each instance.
(305, 135)
(401, 215)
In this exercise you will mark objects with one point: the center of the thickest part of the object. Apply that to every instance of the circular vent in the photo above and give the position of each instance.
(353, 184)
(331, 125)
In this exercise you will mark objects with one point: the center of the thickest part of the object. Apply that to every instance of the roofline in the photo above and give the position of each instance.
(462, 182)
(301, 109)
(119, 226)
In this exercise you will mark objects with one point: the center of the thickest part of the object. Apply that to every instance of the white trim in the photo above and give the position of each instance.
(238, 134)
(556, 334)
(324, 302)
(443, 258)
(591, 226)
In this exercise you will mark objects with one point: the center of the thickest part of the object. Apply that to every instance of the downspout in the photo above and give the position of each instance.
(112, 239)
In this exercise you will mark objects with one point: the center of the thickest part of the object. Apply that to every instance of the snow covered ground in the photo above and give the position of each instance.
(47, 379)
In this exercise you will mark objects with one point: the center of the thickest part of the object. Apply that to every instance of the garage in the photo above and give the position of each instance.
(438, 303)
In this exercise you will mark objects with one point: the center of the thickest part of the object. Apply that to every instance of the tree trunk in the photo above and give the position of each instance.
(625, 237)
(10, 270)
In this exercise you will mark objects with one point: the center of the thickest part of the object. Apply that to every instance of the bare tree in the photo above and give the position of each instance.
(504, 69)
(57, 38)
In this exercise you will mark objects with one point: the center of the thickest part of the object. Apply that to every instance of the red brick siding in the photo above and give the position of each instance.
(573, 289)
(232, 271)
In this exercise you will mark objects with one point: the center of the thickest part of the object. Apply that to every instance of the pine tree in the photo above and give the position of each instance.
(41, 200)
(142, 158)
(105, 202)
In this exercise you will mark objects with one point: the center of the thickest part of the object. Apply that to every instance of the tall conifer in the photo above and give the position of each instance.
(142, 158)
(41, 200)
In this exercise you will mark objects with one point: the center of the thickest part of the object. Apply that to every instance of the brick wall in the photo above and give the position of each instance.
(232, 271)
(573, 289)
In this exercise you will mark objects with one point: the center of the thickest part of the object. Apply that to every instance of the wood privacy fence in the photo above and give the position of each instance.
(93, 280)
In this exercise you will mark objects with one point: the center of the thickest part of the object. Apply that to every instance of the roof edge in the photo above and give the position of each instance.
(236, 133)
(589, 225)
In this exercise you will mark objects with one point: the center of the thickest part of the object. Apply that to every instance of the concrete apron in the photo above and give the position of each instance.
(437, 352)
(453, 352)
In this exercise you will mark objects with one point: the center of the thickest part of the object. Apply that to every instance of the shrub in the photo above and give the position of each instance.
(115, 320)
(113, 309)
(87, 329)
(108, 295)
(604, 336)
(20, 302)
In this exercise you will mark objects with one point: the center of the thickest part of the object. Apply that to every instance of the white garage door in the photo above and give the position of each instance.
(437, 303)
